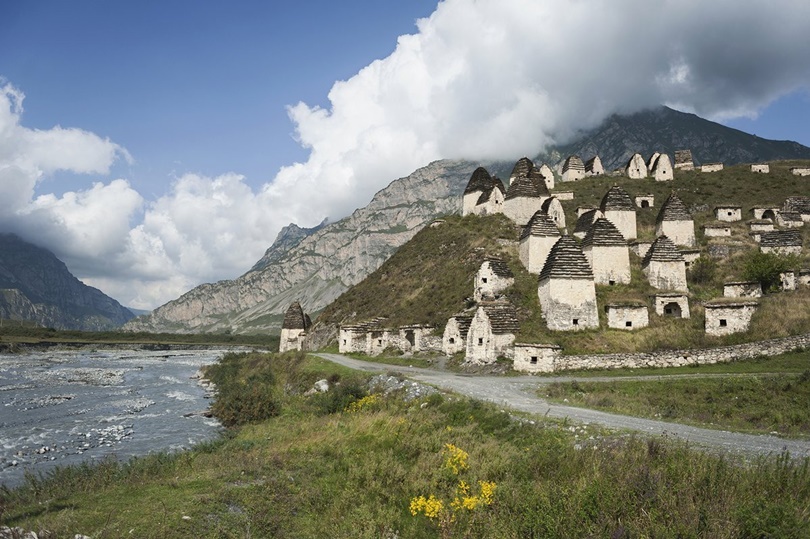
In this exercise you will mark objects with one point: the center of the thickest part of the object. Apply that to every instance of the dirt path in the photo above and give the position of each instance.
(518, 393)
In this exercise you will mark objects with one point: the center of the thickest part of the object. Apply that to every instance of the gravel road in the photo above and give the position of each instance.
(519, 393)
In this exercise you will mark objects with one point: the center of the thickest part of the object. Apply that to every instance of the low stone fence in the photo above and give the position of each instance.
(677, 358)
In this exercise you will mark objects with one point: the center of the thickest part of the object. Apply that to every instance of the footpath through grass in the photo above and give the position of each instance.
(349, 464)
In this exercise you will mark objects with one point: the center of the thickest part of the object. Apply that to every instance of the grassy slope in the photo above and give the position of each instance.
(428, 279)
(306, 473)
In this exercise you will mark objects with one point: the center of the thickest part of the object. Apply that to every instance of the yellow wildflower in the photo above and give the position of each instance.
(366, 402)
(487, 491)
(470, 503)
(431, 506)
(455, 458)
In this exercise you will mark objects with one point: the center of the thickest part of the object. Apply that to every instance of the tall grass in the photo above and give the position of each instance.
(764, 404)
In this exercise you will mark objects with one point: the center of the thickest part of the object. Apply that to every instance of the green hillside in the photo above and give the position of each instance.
(430, 278)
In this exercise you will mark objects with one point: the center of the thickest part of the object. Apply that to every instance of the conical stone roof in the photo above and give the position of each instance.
(479, 181)
(662, 250)
(566, 261)
(585, 221)
(617, 199)
(603, 233)
(295, 318)
(573, 162)
(502, 316)
(540, 225)
(593, 163)
(524, 187)
(522, 168)
(673, 209)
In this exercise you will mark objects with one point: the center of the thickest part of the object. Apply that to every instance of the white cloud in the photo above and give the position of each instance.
(481, 79)
(502, 78)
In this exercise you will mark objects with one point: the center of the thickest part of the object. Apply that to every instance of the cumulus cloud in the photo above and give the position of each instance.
(489, 79)
(481, 79)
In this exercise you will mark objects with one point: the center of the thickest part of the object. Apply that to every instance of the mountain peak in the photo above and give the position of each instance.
(38, 286)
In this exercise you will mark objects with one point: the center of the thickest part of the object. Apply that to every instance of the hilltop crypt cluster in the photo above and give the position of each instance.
(570, 266)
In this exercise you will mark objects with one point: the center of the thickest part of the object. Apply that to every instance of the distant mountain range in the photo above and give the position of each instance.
(666, 130)
(315, 266)
(37, 286)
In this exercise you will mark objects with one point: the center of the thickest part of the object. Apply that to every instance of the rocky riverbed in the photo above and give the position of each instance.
(61, 407)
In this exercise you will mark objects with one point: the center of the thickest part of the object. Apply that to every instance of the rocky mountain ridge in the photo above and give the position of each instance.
(37, 286)
(666, 130)
(287, 238)
(325, 262)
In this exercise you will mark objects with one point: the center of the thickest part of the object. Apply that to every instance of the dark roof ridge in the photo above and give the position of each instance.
(673, 209)
(617, 199)
(480, 180)
(540, 225)
(603, 233)
(294, 318)
(566, 261)
(662, 250)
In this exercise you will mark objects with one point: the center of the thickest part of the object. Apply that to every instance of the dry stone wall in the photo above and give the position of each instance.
(677, 358)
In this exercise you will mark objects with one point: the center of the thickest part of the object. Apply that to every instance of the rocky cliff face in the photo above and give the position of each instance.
(322, 264)
(287, 238)
(37, 286)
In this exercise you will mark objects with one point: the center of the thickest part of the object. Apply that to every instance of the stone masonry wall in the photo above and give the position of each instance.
(676, 358)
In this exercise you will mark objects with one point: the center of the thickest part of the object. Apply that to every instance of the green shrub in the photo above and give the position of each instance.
(766, 267)
(238, 403)
(339, 397)
(245, 388)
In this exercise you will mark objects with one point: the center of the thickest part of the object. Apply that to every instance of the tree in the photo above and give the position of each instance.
(766, 267)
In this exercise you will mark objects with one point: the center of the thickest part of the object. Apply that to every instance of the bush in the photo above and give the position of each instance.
(338, 398)
(766, 267)
(245, 389)
(240, 403)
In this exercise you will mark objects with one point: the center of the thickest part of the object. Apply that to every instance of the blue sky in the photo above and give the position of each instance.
(154, 146)
(187, 85)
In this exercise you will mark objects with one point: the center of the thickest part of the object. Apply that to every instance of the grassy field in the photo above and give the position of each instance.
(765, 403)
(344, 464)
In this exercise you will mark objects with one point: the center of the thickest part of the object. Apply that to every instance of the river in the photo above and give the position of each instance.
(62, 407)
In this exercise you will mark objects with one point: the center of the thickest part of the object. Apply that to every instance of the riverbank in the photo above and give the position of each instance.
(70, 405)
